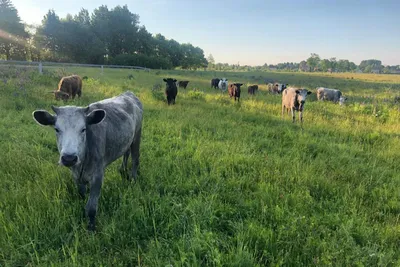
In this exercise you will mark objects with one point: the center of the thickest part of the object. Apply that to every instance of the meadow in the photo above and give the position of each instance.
(221, 183)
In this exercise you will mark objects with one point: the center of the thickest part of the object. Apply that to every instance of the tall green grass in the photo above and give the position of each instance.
(221, 183)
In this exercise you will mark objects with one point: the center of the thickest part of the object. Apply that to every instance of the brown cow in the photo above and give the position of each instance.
(69, 86)
(234, 90)
(252, 89)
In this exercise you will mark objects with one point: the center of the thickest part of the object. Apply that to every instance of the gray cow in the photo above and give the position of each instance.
(329, 94)
(294, 99)
(90, 138)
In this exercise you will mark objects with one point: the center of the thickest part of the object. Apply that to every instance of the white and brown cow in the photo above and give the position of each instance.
(294, 99)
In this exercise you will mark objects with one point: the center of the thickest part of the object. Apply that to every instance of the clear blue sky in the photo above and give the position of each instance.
(255, 32)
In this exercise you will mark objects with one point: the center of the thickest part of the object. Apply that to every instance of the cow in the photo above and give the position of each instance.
(276, 88)
(294, 99)
(171, 90)
(223, 84)
(252, 89)
(234, 90)
(69, 86)
(182, 84)
(214, 83)
(329, 94)
(90, 138)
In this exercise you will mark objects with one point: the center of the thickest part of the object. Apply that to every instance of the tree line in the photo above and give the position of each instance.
(312, 64)
(107, 36)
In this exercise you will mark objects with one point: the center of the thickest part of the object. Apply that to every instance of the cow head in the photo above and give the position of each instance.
(301, 95)
(60, 95)
(342, 99)
(171, 83)
(70, 124)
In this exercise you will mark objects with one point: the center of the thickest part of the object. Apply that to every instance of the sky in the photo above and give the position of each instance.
(254, 32)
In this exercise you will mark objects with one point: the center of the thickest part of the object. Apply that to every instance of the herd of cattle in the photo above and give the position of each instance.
(293, 99)
(90, 138)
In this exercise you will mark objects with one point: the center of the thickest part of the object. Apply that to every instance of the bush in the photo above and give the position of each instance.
(198, 95)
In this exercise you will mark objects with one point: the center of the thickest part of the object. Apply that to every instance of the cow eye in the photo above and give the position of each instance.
(57, 130)
(83, 130)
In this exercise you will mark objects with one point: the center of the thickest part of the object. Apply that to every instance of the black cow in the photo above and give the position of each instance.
(214, 83)
(252, 89)
(182, 84)
(171, 90)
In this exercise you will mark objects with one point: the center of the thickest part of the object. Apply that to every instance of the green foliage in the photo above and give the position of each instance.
(198, 95)
(13, 37)
(221, 183)
(370, 65)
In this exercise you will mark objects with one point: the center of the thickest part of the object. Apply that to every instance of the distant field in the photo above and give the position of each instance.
(221, 184)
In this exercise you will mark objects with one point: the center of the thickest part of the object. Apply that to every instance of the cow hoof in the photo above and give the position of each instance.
(91, 227)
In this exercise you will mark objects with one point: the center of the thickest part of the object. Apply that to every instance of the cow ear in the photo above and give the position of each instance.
(174, 80)
(165, 80)
(308, 92)
(297, 92)
(96, 116)
(240, 84)
(43, 117)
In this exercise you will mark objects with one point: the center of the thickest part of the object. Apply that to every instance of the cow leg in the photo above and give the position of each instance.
(91, 205)
(293, 115)
(283, 110)
(123, 170)
(301, 116)
(136, 154)
(82, 189)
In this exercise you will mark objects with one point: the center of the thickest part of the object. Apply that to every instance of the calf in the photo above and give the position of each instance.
(328, 94)
(252, 89)
(215, 82)
(294, 99)
(69, 86)
(182, 84)
(90, 138)
(171, 90)
(223, 84)
(234, 90)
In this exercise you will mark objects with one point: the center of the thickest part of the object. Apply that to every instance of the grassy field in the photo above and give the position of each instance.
(221, 184)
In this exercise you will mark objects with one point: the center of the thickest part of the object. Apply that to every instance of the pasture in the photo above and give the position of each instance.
(221, 183)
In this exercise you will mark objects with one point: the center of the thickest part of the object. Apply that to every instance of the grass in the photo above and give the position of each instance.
(221, 184)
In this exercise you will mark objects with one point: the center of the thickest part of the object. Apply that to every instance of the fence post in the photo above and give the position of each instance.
(102, 69)
(40, 68)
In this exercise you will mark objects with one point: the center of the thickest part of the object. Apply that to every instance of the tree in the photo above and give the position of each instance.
(313, 61)
(303, 66)
(325, 64)
(211, 61)
(13, 39)
(193, 57)
(370, 64)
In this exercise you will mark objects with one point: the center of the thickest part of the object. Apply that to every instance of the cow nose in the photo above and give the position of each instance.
(302, 101)
(69, 160)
